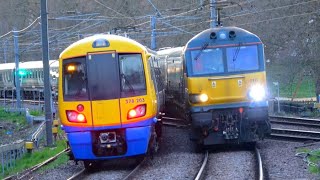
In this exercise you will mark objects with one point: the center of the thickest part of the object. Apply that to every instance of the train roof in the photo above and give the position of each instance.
(6, 66)
(170, 51)
(114, 42)
(222, 37)
(28, 65)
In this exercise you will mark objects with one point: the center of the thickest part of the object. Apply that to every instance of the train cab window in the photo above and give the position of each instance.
(103, 76)
(74, 79)
(242, 58)
(132, 75)
(208, 61)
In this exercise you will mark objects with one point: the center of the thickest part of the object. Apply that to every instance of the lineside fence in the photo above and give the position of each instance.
(294, 107)
(10, 153)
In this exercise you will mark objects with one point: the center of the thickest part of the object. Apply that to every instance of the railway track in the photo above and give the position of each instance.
(28, 172)
(176, 122)
(200, 174)
(295, 121)
(295, 134)
(130, 175)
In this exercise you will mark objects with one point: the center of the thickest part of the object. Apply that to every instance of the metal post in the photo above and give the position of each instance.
(16, 55)
(34, 98)
(39, 104)
(2, 162)
(213, 22)
(46, 70)
(5, 48)
(153, 33)
(4, 95)
(278, 98)
(12, 102)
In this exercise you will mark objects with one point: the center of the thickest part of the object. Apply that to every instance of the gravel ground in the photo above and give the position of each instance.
(231, 164)
(177, 160)
(280, 161)
(62, 172)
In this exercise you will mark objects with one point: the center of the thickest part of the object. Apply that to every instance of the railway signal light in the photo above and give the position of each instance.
(23, 72)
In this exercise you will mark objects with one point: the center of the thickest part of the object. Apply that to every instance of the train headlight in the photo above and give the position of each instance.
(138, 111)
(74, 116)
(257, 93)
(198, 98)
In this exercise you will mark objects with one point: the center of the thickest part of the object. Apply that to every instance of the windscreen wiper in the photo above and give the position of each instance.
(204, 46)
(127, 82)
(236, 53)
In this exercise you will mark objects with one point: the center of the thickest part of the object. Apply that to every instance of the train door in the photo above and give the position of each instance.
(104, 88)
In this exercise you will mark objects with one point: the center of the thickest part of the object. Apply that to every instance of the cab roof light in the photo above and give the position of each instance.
(99, 43)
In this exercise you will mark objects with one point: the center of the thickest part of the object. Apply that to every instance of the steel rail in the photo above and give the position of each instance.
(174, 124)
(295, 134)
(130, 175)
(203, 166)
(260, 167)
(295, 121)
(169, 121)
(76, 175)
(36, 167)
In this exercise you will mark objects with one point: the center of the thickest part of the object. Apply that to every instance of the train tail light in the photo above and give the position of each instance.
(138, 111)
(74, 116)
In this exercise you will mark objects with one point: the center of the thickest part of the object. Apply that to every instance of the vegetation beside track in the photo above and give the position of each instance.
(312, 158)
(307, 89)
(30, 160)
(36, 113)
(13, 117)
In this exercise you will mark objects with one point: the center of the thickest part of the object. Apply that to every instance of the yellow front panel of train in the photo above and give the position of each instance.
(106, 112)
(225, 89)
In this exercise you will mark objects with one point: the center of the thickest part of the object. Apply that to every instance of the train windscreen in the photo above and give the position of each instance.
(208, 61)
(242, 58)
(74, 79)
(103, 76)
(132, 75)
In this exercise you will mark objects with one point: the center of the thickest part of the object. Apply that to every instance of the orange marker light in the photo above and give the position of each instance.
(71, 68)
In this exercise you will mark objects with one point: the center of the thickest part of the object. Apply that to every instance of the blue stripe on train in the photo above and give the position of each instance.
(137, 139)
(230, 105)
